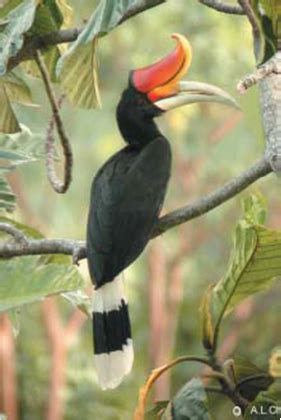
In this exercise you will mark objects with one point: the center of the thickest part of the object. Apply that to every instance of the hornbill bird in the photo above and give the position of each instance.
(127, 195)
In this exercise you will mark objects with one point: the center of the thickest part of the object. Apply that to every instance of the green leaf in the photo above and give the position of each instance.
(20, 148)
(267, 405)
(24, 281)
(8, 120)
(254, 207)
(77, 67)
(7, 198)
(254, 264)
(14, 317)
(7, 6)
(190, 403)
(80, 300)
(16, 89)
(249, 378)
(11, 38)
(268, 14)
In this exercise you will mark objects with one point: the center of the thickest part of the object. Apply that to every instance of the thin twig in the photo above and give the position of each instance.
(257, 76)
(60, 187)
(248, 11)
(223, 7)
(246, 6)
(77, 249)
(14, 232)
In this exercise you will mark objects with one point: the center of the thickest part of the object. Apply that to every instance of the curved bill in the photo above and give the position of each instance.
(189, 92)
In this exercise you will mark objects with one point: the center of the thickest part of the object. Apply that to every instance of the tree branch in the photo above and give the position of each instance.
(213, 199)
(222, 7)
(246, 6)
(15, 233)
(77, 249)
(32, 44)
(42, 247)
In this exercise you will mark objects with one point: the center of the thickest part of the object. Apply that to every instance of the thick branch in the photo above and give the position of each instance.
(222, 7)
(33, 44)
(77, 249)
(42, 247)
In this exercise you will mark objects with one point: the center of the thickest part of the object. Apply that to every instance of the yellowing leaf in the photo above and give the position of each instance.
(81, 82)
(275, 363)
(77, 67)
(8, 120)
(7, 198)
(16, 89)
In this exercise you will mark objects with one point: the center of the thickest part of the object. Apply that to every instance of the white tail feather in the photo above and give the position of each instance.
(113, 365)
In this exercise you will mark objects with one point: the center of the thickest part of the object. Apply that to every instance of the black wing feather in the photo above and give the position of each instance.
(126, 197)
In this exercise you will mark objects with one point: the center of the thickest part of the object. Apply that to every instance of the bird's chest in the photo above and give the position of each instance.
(135, 169)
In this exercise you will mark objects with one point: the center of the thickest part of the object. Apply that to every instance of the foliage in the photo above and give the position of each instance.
(268, 15)
(254, 263)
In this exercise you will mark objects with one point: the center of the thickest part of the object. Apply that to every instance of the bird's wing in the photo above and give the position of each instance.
(127, 197)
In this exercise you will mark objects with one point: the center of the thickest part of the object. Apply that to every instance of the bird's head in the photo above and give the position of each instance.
(159, 87)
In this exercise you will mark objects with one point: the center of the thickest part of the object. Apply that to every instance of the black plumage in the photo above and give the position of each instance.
(126, 197)
(128, 191)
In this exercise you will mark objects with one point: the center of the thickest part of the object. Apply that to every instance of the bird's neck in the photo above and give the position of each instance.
(139, 132)
(135, 118)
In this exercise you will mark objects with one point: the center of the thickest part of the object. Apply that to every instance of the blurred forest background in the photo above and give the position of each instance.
(52, 355)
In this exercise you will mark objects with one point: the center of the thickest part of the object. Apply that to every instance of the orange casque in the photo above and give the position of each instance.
(160, 80)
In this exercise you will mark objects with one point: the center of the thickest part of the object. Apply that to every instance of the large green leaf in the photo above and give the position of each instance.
(20, 21)
(190, 403)
(23, 281)
(77, 67)
(254, 264)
